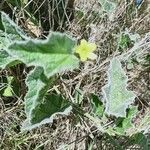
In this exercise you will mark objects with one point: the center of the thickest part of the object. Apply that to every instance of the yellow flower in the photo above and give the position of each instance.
(85, 50)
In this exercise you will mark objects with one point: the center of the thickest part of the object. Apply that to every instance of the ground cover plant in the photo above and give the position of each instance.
(84, 85)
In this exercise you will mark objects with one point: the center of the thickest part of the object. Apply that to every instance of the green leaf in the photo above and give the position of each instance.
(116, 96)
(4, 59)
(9, 32)
(55, 54)
(37, 85)
(126, 123)
(40, 107)
(3, 40)
(4, 56)
(8, 90)
(108, 6)
(53, 101)
(124, 42)
(97, 106)
(9, 27)
(50, 56)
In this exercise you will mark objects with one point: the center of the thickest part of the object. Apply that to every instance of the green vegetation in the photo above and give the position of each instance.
(88, 74)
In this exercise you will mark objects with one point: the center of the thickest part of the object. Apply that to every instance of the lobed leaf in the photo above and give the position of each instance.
(54, 55)
(50, 56)
(41, 107)
(116, 95)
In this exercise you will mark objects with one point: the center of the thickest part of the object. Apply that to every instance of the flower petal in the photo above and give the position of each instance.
(92, 47)
(83, 42)
(92, 56)
(85, 50)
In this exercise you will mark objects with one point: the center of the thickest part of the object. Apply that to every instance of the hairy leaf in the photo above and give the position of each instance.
(40, 107)
(116, 95)
(55, 54)
(50, 56)
(9, 27)
(9, 32)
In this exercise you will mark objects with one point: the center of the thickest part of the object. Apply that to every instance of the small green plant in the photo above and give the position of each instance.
(49, 57)
(55, 55)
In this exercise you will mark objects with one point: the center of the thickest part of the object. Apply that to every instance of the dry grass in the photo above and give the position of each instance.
(76, 133)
